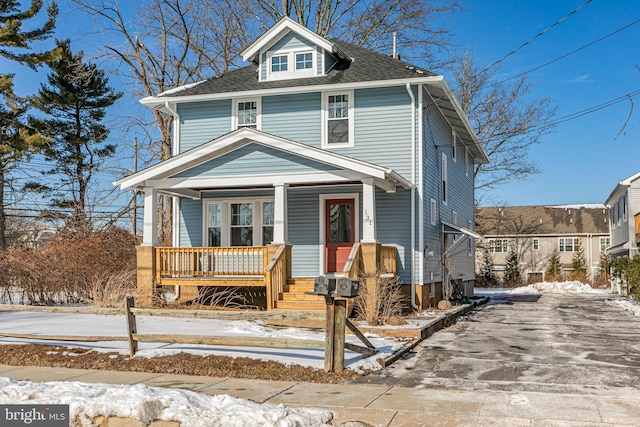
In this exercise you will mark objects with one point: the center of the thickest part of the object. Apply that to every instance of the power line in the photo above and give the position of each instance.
(531, 40)
(570, 53)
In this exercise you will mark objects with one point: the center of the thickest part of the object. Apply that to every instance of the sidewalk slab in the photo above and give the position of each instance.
(184, 382)
(356, 417)
(116, 377)
(259, 391)
(619, 411)
(334, 395)
(45, 374)
(442, 402)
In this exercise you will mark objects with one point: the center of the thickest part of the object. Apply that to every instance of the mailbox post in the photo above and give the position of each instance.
(336, 292)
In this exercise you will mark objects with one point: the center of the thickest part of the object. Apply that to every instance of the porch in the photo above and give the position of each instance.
(267, 267)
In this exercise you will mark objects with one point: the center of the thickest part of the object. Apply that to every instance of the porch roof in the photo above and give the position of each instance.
(163, 177)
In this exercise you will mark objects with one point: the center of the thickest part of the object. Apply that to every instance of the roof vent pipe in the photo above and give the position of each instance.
(394, 45)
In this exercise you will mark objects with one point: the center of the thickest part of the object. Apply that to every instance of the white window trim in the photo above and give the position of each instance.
(534, 241)
(325, 117)
(322, 225)
(234, 113)
(225, 238)
(432, 212)
(564, 239)
(625, 217)
(444, 180)
(291, 72)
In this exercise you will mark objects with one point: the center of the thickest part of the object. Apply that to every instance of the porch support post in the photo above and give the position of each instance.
(280, 215)
(368, 211)
(150, 229)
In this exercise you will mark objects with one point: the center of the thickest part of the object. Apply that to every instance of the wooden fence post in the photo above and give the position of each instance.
(131, 326)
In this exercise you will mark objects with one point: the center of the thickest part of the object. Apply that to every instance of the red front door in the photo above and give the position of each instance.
(339, 232)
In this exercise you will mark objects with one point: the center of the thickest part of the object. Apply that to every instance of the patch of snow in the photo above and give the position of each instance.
(181, 88)
(631, 306)
(557, 288)
(47, 323)
(146, 404)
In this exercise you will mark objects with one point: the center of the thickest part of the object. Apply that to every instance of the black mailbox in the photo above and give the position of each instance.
(324, 285)
(348, 288)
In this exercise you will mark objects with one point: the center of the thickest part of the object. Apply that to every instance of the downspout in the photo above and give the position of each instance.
(174, 201)
(413, 195)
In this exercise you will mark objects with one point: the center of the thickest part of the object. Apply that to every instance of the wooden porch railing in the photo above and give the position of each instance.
(275, 276)
(201, 262)
(636, 219)
(386, 262)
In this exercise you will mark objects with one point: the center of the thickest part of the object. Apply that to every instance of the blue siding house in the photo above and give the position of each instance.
(318, 158)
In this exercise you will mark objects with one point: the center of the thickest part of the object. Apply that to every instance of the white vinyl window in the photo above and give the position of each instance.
(238, 222)
(247, 113)
(338, 122)
(444, 179)
(432, 212)
(291, 64)
(455, 143)
(605, 242)
(535, 244)
(498, 245)
(567, 244)
(624, 208)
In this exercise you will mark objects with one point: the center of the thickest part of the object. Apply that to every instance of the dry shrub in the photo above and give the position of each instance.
(221, 297)
(110, 291)
(379, 299)
(579, 276)
(69, 268)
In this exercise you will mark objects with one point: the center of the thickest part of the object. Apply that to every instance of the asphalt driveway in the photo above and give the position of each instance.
(557, 343)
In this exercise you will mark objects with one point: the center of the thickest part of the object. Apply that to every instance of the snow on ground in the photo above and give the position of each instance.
(558, 288)
(146, 404)
(43, 323)
(631, 306)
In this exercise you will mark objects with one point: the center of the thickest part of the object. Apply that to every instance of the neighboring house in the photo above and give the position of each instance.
(624, 209)
(535, 231)
(319, 158)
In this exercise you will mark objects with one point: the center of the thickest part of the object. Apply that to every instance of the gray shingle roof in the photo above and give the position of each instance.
(540, 220)
(366, 66)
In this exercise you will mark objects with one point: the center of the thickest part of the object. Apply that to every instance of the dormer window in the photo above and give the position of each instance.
(304, 61)
(293, 64)
(246, 113)
(279, 63)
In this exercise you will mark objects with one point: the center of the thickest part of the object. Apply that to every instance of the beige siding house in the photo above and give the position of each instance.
(535, 231)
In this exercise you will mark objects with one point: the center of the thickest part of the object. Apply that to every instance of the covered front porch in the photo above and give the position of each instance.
(242, 227)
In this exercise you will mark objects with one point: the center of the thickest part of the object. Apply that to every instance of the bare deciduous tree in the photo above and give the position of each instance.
(506, 118)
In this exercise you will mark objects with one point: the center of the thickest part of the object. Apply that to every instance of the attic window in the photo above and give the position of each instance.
(291, 64)
(279, 63)
(304, 61)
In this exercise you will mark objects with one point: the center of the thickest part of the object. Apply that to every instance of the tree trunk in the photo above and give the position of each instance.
(3, 218)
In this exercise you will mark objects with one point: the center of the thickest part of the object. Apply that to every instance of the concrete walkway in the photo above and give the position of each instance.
(382, 405)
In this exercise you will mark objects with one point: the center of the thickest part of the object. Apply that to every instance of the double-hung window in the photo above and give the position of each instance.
(535, 243)
(567, 244)
(338, 121)
(444, 178)
(498, 245)
(605, 242)
(247, 113)
(291, 64)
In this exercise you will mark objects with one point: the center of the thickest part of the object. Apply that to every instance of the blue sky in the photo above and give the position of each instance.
(580, 162)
